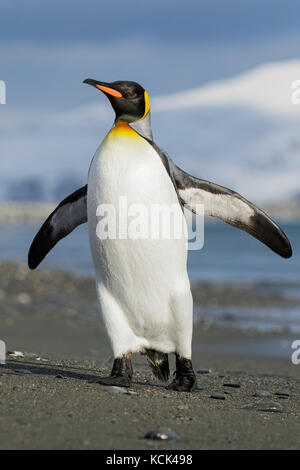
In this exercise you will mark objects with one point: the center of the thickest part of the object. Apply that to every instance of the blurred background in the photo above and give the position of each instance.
(219, 75)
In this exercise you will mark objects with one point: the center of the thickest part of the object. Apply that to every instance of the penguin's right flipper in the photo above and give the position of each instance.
(232, 208)
(70, 213)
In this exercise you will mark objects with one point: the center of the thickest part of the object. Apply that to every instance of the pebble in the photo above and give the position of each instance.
(232, 385)
(267, 406)
(262, 393)
(283, 394)
(113, 389)
(218, 396)
(204, 371)
(1, 402)
(59, 376)
(162, 434)
(272, 406)
(228, 392)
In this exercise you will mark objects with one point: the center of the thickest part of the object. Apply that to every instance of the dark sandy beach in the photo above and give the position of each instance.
(48, 402)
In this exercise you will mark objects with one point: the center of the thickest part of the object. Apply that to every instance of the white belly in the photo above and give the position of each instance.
(142, 284)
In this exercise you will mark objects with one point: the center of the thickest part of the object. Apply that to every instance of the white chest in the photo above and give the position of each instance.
(128, 166)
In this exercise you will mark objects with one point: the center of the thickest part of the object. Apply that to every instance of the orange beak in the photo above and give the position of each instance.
(103, 87)
(110, 91)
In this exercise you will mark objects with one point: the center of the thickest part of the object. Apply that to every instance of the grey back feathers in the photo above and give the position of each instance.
(143, 127)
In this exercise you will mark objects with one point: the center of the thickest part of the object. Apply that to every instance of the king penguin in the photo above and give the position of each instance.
(142, 283)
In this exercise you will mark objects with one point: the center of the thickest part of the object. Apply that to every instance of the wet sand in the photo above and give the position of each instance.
(47, 402)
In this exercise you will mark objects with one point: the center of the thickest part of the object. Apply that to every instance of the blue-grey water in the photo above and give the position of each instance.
(228, 256)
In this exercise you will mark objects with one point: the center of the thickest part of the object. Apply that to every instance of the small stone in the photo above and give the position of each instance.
(262, 393)
(228, 392)
(266, 406)
(283, 394)
(114, 389)
(162, 434)
(59, 376)
(167, 395)
(204, 371)
(271, 406)
(1, 402)
(218, 396)
(232, 385)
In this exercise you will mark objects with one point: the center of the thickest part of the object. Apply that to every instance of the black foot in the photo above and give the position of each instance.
(116, 380)
(185, 378)
(121, 374)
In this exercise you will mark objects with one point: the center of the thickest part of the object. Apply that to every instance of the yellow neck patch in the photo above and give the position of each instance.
(122, 128)
(147, 104)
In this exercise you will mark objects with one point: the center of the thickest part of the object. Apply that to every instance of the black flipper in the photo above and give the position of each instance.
(70, 213)
(232, 208)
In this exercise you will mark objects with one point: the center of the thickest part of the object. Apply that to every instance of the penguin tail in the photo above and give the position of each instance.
(159, 364)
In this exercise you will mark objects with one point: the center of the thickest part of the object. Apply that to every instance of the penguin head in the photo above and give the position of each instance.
(129, 99)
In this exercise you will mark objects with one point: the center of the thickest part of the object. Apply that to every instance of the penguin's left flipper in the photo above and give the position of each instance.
(232, 208)
(70, 213)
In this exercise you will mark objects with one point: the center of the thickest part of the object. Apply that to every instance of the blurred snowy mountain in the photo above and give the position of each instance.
(242, 132)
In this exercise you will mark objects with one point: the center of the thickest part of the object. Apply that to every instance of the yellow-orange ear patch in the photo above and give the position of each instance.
(147, 103)
(110, 91)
